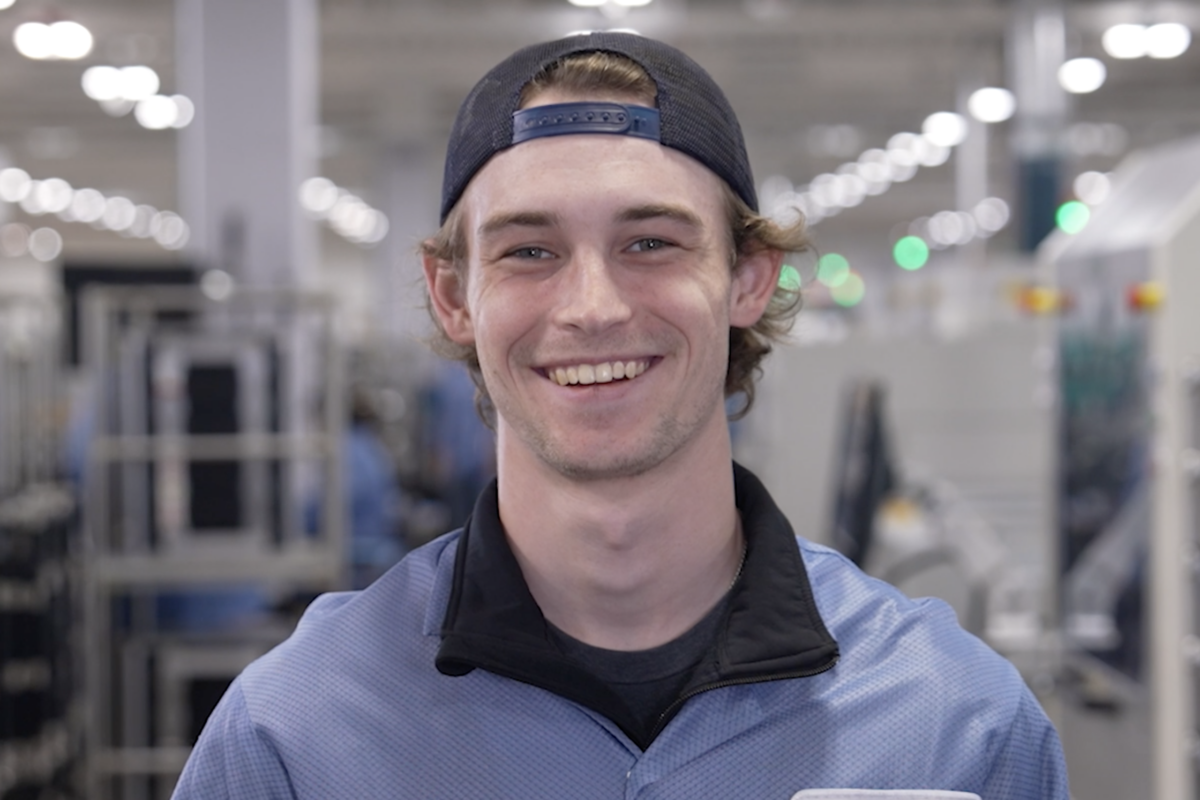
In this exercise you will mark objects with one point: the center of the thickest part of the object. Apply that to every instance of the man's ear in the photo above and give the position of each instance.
(754, 280)
(448, 296)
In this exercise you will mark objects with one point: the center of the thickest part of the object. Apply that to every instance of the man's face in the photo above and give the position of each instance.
(586, 252)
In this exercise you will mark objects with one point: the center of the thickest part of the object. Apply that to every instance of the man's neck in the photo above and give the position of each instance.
(626, 563)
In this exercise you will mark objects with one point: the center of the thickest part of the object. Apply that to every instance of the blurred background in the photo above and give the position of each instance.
(216, 401)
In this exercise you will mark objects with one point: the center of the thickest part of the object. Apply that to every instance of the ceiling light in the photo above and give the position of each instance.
(31, 203)
(1125, 41)
(945, 128)
(169, 230)
(14, 184)
(1092, 187)
(138, 83)
(54, 195)
(991, 214)
(588, 3)
(1167, 40)
(185, 111)
(102, 83)
(632, 3)
(930, 154)
(992, 104)
(63, 40)
(156, 113)
(6, 4)
(45, 244)
(72, 41)
(119, 213)
(33, 40)
(87, 205)
(318, 195)
(216, 284)
(14, 239)
(1082, 75)
(118, 107)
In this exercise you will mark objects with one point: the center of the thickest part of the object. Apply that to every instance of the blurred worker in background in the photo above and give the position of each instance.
(626, 613)
(372, 496)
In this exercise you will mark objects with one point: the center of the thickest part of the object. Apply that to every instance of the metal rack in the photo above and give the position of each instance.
(29, 380)
(39, 701)
(1129, 353)
(215, 421)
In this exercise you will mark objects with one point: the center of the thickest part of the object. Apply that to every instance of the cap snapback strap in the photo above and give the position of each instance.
(566, 118)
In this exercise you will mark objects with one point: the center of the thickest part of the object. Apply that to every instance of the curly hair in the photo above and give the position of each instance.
(611, 75)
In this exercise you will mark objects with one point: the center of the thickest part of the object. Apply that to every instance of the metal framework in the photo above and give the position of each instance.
(215, 422)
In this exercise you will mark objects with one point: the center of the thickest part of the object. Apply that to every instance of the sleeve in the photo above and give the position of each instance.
(1029, 763)
(232, 759)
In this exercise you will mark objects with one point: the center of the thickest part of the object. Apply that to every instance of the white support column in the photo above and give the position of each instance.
(971, 169)
(1037, 45)
(410, 200)
(251, 69)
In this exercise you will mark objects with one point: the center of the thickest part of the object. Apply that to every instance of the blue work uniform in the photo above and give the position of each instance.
(440, 681)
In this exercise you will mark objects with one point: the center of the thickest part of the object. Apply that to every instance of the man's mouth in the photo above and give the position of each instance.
(587, 374)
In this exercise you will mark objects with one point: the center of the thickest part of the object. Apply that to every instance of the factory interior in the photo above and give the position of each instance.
(217, 398)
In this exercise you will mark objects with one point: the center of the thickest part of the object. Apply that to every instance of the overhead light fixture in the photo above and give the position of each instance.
(159, 112)
(1164, 40)
(1125, 41)
(1092, 187)
(125, 83)
(1167, 40)
(348, 215)
(1082, 75)
(601, 3)
(135, 88)
(992, 104)
(945, 128)
(118, 214)
(59, 41)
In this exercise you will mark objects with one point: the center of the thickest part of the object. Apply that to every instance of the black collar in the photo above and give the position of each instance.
(772, 630)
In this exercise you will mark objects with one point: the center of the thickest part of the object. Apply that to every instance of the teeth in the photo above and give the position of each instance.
(587, 374)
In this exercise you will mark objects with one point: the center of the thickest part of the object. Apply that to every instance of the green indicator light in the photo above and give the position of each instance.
(911, 252)
(832, 269)
(789, 278)
(850, 291)
(1072, 216)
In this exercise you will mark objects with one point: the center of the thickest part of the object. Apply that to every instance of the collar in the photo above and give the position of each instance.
(772, 629)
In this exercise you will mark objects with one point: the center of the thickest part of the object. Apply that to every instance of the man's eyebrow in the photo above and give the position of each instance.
(656, 211)
(517, 219)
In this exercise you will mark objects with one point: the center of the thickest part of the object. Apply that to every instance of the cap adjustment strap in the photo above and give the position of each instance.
(566, 118)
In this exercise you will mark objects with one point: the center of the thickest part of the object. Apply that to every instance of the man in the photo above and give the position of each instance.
(627, 613)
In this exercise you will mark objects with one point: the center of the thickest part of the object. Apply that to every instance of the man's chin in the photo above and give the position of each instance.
(601, 463)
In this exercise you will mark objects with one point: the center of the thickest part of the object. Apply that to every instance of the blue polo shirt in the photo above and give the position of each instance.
(354, 704)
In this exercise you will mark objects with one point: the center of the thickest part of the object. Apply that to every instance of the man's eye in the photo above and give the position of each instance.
(530, 252)
(648, 244)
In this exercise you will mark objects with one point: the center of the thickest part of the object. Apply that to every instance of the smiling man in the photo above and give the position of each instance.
(627, 613)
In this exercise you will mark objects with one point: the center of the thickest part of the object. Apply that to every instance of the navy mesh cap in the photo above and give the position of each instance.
(695, 117)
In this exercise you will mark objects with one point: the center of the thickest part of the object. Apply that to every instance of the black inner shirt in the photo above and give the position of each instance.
(648, 681)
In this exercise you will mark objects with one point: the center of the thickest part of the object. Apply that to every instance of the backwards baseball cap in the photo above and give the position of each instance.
(692, 116)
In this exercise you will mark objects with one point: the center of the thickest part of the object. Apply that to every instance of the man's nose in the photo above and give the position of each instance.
(591, 297)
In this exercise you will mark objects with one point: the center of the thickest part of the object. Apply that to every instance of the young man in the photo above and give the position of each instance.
(627, 613)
